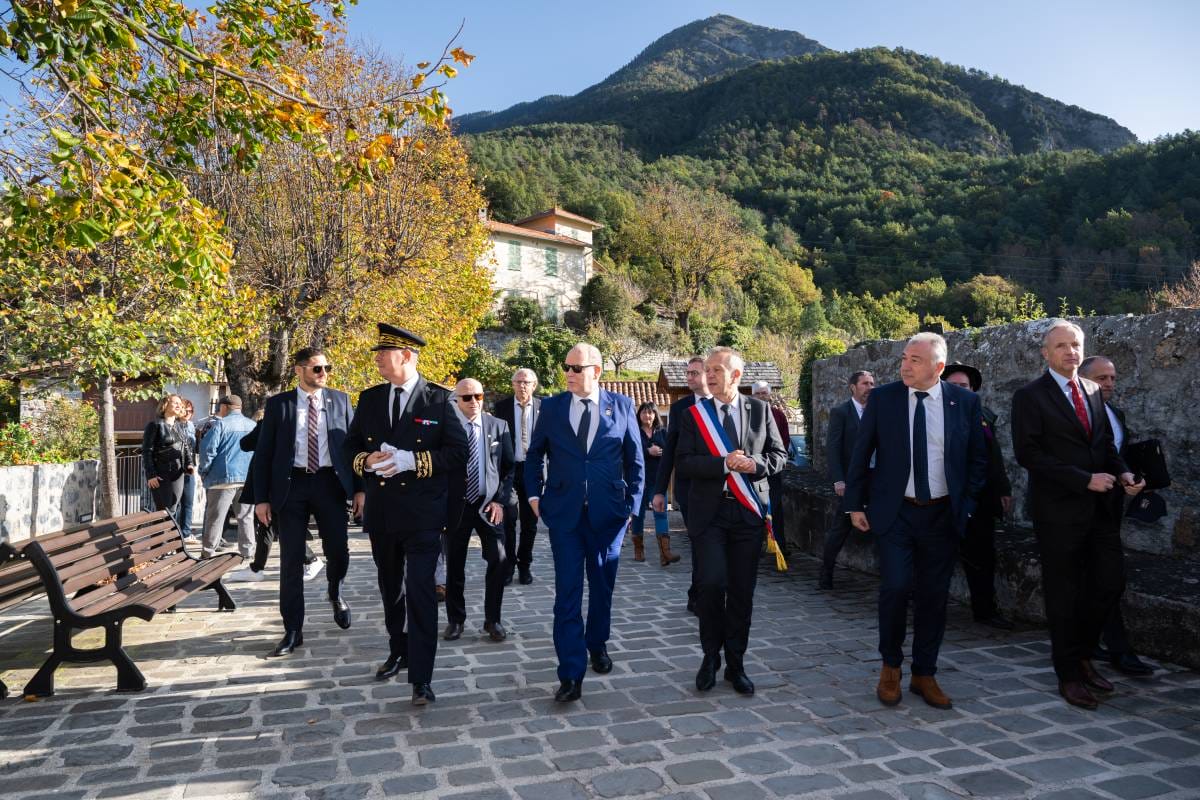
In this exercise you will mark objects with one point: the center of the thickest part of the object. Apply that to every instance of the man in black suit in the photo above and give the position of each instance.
(520, 413)
(930, 465)
(728, 447)
(301, 469)
(478, 493)
(698, 391)
(979, 545)
(1119, 652)
(1062, 436)
(406, 440)
(839, 445)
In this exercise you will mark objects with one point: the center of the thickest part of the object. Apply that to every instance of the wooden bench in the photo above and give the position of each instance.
(19, 582)
(100, 576)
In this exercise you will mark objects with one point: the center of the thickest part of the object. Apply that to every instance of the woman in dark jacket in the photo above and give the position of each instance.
(654, 439)
(167, 454)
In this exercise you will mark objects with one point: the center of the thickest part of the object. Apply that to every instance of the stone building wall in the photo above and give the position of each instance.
(1157, 358)
(45, 498)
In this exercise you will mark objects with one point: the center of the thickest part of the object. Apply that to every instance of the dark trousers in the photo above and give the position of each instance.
(1116, 637)
(1083, 575)
(726, 572)
(916, 558)
(167, 497)
(835, 540)
(405, 562)
(596, 554)
(979, 564)
(319, 494)
(519, 554)
(457, 542)
(778, 523)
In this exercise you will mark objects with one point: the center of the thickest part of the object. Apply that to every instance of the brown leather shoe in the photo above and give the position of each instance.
(888, 690)
(1075, 693)
(926, 687)
(665, 556)
(639, 548)
(1093, 679)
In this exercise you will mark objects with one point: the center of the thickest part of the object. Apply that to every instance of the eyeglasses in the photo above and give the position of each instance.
(466, 398)
(692, 373)
(577, 368)
(319, 368)
(523, 383)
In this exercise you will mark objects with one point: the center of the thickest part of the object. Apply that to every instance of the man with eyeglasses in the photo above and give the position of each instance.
(587, 441)
(406, 440)
(520, 412)
(301, 469)
(478, 493)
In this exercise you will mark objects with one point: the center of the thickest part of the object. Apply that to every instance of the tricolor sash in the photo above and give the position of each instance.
(713, 433)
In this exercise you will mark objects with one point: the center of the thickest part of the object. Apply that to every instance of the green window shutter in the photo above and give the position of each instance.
(514, 255)
(551, 261)
(552, 308)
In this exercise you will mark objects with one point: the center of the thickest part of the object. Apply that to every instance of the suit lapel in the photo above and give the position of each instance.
(747, 418)
(1059, 400)
(289, 418)
(949, 421)
(606, 411)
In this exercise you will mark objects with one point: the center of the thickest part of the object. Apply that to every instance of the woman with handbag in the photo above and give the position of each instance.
(167, 454)
(654, 439)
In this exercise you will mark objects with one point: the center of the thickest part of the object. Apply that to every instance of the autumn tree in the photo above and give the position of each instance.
(693, 237)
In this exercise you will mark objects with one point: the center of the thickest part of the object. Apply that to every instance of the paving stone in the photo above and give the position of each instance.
(555, 790)
(375, 763)
(627, 782)
(516, 747)
(304, 774)
(870, 747)
(990, 783)
(101, 754)
(220, 784)
(1054, 770)
(790, 785)
(864, 773)
(687, 773)
(919, 740)
(526, 769)
(470, 776)
(452, 756)
(1074, 793)
(575, 740)
(409, 784)
(1187, 777)
(815, 755)
(587, 759)
(634, 732)
(1133, 787)
(736, 791)
(762, 762)
(340, 791)
(911, 766)
(1170, 747)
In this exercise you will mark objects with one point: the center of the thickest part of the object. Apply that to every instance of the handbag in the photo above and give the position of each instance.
(1147, 461)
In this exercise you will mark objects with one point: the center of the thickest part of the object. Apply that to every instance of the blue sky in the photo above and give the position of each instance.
(1137, 62)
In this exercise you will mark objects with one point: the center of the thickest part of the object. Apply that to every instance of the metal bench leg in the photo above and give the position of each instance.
(42, 683)
(224, 601)
(129, 677)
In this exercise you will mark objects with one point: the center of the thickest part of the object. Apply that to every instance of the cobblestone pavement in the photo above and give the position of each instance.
(221, 720)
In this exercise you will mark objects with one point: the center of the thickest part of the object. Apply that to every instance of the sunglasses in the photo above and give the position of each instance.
(466, 398)
(319, 368)
(577, 368)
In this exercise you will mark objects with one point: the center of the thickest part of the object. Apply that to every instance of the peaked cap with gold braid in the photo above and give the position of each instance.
(393, 338)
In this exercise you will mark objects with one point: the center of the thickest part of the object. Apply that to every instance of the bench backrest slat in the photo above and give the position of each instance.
(19, 581)
(115, 557)
(132, 585)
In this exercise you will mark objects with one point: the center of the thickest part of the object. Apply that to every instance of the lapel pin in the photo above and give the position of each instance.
(608, 412)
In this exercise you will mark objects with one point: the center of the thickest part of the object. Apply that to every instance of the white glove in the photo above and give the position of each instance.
(400, 461)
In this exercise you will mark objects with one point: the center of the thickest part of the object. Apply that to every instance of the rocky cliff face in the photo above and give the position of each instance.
(1158, 387)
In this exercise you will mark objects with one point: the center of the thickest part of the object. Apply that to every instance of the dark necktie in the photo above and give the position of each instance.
(397, 405)
(473, 464)
(585, 425)
(730, 427)
(314, 446)
(920, 450)
(1080, 411)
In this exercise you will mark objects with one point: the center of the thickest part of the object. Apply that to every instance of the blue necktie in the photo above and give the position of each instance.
(585, 425)
(920, 450)
(472, 464)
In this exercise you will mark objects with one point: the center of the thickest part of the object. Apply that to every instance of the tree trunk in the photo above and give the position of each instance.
(106, 493)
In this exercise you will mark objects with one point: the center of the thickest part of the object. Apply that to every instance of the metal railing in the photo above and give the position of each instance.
(133, 495)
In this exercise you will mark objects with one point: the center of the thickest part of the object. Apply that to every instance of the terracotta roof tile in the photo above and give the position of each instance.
(559, 212)
(504, 227)
(639, 391)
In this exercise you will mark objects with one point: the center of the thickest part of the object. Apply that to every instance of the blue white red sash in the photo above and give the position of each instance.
(717, 441)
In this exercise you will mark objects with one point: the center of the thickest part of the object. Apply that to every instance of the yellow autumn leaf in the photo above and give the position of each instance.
(462, 56)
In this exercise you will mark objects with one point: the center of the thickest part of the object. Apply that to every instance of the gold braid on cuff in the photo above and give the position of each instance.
(424, 462)
(360, 462)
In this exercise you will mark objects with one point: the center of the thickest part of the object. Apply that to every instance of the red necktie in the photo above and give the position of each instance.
(1080, 411)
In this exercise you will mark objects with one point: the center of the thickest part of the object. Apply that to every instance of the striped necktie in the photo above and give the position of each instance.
(314, 446)
(473, 464)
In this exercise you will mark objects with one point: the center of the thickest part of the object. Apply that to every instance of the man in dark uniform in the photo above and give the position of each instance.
(406, 439)
(978, 549)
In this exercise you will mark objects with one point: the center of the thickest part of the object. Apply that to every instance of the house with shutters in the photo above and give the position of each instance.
(547, 257)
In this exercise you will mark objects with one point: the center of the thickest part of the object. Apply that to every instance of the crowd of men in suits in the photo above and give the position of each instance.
(916, 463)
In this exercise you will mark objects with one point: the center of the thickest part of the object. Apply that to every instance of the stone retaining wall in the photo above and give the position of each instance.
(1158, 386)
(45, 498)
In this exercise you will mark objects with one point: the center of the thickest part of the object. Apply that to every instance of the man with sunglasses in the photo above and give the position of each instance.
(301, 469)
(405, 442)
(478, 493)
(587, 441)
(520, 413)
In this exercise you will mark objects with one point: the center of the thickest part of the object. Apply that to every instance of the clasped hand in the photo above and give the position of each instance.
(738, 461)
(388, 461)
(1103, 482)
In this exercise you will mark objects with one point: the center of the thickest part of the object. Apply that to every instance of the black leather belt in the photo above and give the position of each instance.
(303, 471)
(935, 501)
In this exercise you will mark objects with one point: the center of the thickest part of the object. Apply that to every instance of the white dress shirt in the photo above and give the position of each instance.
(859, 407)
(576, 414)
(1118, 431)
(406, 397)
(300, 459)
(935, 442)
(522, 418)
(1066, 390)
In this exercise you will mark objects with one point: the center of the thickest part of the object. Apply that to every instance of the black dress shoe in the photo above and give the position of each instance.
(706, 677)
(526, 577)
(741, 683)
(1130, 664)
(290, 641)
(495, 631)
(391, 667)
(568, 691)
(601, 663)
(453, 631)
(341, 612)
(508, 579)
(422, 694)
(997, 621)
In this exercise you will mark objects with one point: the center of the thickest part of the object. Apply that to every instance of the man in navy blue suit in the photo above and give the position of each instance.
(930, 466)
(301, 469)
(587, 441)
